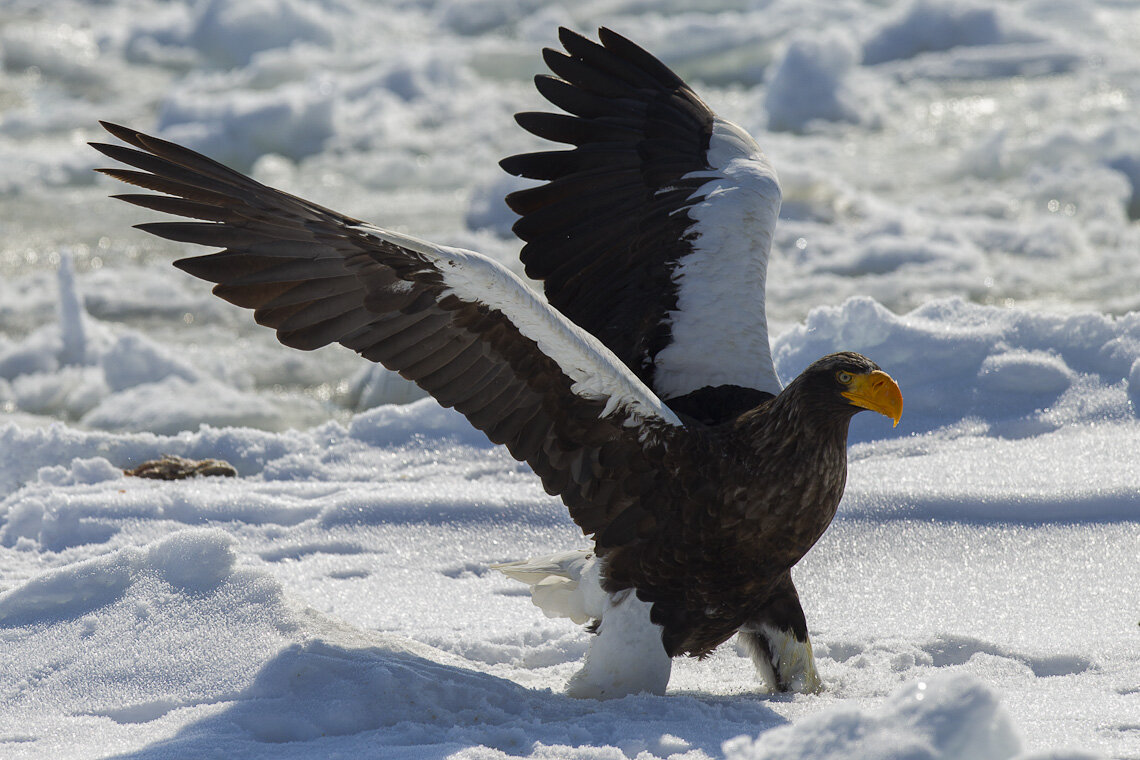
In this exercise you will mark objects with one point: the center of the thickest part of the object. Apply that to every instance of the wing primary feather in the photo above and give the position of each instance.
(219, 235)
(167, 186)
(178, 206)
(606, 60)
(586, 77)
(479, 377)
(471, 353)
(638, 56)
(160, 166)
(339, 286)
(178, 155)
(509, 427)
(561, 128)
(582, 103)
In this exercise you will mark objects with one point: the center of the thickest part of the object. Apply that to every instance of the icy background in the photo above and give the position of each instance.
(962, 184)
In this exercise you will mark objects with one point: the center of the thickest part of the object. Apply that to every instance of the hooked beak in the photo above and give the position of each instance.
(878, 392)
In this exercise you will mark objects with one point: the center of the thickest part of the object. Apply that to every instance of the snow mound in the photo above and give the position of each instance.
(375, 386)
(938, 25)
(228, 33)
(488, 208)
(135, 360)
(198, 626)
(74, 340)
(812, 81)
(325, 688)
(26, 453)
(956, 360)
(996, 62)
(238, 126)
(113, 378)
(947, 39)
(951, 717)
(392, 425)
(953, 475)
(196, 561)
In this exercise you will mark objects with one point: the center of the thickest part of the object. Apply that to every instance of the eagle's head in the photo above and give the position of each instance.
(846, 383)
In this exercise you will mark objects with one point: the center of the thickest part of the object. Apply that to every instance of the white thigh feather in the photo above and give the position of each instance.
(626, 655)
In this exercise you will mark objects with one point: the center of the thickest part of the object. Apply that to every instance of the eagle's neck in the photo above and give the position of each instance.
(804, 419)
(798, 453)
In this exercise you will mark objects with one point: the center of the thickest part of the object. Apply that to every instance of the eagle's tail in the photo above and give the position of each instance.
(556, 584)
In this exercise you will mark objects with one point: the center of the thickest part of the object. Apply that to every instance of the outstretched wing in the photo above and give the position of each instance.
(459, 325)
(653, 232)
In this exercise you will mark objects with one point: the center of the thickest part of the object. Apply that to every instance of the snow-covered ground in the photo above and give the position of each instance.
(962, 184)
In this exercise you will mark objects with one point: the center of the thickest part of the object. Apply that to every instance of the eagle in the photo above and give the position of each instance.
(641, 389)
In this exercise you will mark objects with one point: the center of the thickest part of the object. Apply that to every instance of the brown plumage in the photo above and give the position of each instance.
(701, 509)
(741, 503)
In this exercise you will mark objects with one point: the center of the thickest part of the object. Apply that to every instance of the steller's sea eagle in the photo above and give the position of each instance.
(641, 390)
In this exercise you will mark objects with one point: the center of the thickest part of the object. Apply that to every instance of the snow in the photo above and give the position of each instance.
(959, 204)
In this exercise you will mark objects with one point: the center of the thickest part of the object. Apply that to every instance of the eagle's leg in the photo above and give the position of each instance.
(777, 640)
(626, 656)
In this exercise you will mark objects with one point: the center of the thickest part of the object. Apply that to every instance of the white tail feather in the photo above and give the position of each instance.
(563, 565)
(556, 584)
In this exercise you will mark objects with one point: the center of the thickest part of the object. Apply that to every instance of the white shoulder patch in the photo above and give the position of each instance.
(596, 373)
(720, 329)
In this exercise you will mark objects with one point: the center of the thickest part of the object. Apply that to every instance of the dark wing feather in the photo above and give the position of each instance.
(457, 324)
(617, 223)
(599, 205)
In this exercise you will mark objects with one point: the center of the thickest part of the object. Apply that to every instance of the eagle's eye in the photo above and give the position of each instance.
(844, 378)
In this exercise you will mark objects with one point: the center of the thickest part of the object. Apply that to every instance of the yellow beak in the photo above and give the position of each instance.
(878, 392)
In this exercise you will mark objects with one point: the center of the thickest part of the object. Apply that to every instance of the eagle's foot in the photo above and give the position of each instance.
(783, 662)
